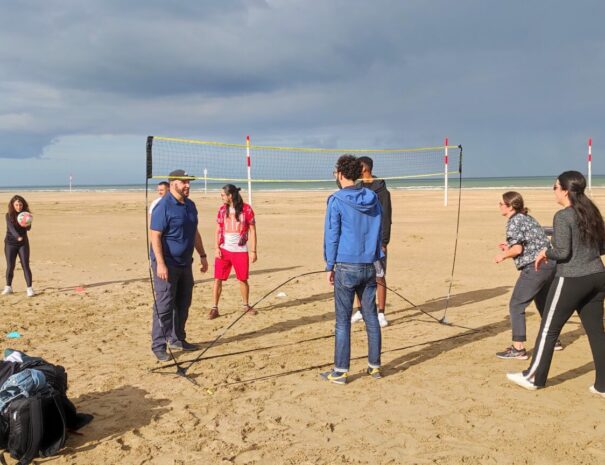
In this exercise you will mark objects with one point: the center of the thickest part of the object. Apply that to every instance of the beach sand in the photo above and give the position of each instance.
(259, 398)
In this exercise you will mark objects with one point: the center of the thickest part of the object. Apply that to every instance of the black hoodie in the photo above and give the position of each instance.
(384, 197)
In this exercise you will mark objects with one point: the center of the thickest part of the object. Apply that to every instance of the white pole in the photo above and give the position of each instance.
(70, 178)
(205, 181)
(445, 160)
(590, 166)
(249, 171)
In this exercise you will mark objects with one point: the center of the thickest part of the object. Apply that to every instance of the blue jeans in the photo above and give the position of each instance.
(351, 279)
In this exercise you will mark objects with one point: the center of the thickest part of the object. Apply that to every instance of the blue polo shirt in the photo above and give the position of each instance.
(178, 223)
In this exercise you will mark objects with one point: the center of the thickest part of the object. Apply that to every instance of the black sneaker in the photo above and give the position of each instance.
(558, 345)
(512, 353)
(184, 345)
(161, 355)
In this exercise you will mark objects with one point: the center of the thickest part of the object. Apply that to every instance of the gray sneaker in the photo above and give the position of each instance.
(512, 353)
(161, 355)
(184, 345)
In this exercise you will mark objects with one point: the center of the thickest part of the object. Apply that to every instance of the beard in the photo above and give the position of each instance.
(184, 191)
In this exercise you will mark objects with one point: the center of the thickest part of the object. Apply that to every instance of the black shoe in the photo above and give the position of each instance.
(184, 345)
(82, 419)
(161, 355)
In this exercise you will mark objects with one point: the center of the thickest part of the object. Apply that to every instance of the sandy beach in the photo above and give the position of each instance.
(259, 398)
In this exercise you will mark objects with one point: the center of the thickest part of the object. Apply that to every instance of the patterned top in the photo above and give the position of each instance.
(233, 232)
(526, 231)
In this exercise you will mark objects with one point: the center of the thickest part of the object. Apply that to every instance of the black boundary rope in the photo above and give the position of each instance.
(449, 291)
(213, 342)
(192, 362)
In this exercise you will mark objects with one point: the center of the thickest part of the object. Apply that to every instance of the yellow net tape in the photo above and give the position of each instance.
(302, 149)
(241, 163)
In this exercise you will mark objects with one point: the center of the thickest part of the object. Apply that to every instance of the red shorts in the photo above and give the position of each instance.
(237, 260)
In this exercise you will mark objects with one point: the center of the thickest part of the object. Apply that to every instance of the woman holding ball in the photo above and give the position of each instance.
(17, 243)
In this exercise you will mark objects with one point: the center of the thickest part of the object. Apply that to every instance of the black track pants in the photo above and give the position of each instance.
(566, 295)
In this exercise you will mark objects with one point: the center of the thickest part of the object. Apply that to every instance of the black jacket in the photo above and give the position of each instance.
(384, 197)
(14, 231)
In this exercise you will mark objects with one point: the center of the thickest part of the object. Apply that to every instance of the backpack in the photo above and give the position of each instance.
(35, 426)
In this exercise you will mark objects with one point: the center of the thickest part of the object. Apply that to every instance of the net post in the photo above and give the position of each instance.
(205, 181)
(445, 162)
(249, 171)
(590, 166)
(149, 172)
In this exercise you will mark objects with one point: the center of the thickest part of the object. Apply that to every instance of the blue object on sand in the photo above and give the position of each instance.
(14, 335)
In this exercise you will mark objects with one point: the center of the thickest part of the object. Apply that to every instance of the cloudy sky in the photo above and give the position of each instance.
(82, 83)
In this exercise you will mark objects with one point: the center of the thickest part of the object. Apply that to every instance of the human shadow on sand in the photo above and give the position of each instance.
(456, 301)
(116, 412)
(431, 306)
(438, 306)
(146, 279)
(427, 350)
(570, 374)
(437, 348)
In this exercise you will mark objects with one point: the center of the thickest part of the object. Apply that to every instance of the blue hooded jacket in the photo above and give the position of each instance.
(353, 227)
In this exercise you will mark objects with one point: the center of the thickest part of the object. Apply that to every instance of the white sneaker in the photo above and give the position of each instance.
(520, 380)
(30, 292)
(357, 316)
(382, 320)
(594, 391)
(7, 290)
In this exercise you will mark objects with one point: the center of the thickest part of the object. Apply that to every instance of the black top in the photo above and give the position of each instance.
(384, 197)
(14, 231)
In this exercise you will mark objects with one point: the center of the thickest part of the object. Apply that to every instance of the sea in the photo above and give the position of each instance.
(454, 182)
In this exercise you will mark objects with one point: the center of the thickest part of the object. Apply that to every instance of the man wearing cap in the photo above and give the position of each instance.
(174, 235)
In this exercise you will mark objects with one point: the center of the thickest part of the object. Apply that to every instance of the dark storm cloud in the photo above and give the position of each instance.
(22, 145)
(504, 78)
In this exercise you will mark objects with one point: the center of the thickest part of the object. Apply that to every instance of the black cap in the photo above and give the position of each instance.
(179, 174)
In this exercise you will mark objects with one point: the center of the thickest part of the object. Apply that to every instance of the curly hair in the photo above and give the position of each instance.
(12, 213)
(349, 166)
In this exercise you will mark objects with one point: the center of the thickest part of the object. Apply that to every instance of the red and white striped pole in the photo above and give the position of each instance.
(445, 161)
(590, 166)
(249, 170)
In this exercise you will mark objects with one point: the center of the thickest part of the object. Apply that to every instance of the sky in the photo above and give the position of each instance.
(83, 83)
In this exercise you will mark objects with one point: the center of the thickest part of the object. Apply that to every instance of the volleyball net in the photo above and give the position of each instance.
(217, 163)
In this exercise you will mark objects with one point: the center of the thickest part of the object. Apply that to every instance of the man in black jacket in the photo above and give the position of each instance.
(384, 197)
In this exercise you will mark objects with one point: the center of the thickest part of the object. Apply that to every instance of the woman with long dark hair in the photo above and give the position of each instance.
(525, 238)
(16, 243)
(577, 245)
(235, 229)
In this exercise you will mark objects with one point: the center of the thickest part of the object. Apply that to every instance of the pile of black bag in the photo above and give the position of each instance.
(35, 412)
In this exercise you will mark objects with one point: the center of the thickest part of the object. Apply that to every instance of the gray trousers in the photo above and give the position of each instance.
(173, 299)
(531, 286)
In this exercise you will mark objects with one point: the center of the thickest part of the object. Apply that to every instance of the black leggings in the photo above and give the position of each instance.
(11, 251)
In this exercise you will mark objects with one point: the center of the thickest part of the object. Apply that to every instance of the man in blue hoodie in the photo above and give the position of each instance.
(352, 243)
